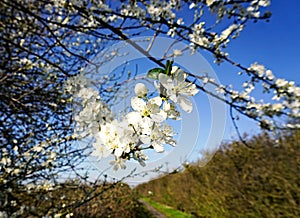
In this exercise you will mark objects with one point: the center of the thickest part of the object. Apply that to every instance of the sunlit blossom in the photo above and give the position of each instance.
(177, 89)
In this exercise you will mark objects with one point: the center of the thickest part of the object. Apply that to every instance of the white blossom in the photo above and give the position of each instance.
(177, 52)
(171, 111)
(210, 2)
(141, 90)
(118, 163)
(177, 89)
(264, 3)
(159, 136)
(198, 38)
(150, 108)
(281, 82)
(192, 5)
(258, 68)
(100, 149)
(269, 75)
(117, 137)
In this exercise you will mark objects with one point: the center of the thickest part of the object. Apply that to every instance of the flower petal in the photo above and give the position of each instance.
(158, 147)
(174, 69)
(146, 125)
(119, 151)
(165, 81)
(180, 76)
(145, 139)
(185, 104)
(134, 118)
(159, 117)
(156, 100)
(137, 104)
(140, 90)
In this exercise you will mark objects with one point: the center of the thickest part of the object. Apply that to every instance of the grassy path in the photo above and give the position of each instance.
(154, 212)
(164, 211)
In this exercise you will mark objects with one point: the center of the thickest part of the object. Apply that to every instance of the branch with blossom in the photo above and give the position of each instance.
(143, 127)
(46, 43)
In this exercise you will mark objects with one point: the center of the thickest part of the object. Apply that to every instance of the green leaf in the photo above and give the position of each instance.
(153, 73)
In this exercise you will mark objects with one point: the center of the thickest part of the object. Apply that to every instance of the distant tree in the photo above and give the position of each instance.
(238, 181)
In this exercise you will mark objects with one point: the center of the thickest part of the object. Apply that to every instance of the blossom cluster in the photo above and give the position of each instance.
(284, 99)
(142, 128)
(205, 36)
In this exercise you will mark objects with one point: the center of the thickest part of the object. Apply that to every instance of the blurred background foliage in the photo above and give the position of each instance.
(261, 181)
(74, 199)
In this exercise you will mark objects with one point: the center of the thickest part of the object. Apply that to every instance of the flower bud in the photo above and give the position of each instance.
(174, 69)
(140, 90)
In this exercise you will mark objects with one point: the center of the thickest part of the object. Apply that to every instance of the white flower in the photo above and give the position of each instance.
(69, 215)
(221, 89)
(118, 137)
(118, 163)
(74, 84)
(177, 90)
(177, 52)
(171, 32)
(141, 125)
(158, 137)
(226, 33)
(174, 69)
(281, 82)
(171, 111)
(127, 137)
(258, 68)
(264, 3)
(168, 134)
(192, 5)
(140, 90)
(100, 150)
(92, 115)
(277, 107)
(180, 21)
(269, 75)
(150, 132)
(197, 37)
(151, 108)
(140, 157)
(276, 97)
(210, 2)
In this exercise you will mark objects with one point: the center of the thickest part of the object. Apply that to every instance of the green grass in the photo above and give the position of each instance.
(166, 210)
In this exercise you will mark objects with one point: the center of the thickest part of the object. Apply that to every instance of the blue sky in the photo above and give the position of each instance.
(274, 44)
